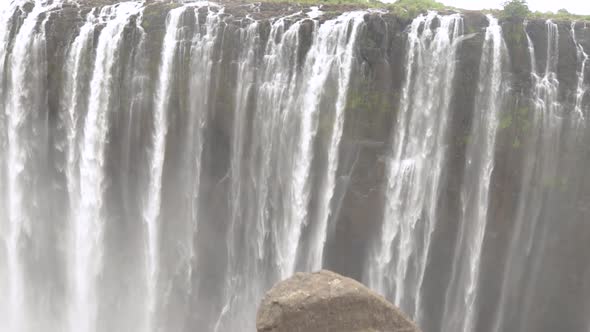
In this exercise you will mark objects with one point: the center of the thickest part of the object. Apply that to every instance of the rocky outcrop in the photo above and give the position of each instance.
(326, 301)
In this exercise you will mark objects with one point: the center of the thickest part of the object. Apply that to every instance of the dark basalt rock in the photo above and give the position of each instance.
(327, 302)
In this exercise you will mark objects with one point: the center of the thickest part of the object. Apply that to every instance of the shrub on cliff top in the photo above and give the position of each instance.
(561, 15)
(411, 8)
(515, 9)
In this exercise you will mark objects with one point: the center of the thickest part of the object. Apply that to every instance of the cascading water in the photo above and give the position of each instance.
(537, 167)
(194, 37)
(416, 162)
(338, 41)
(89, 224)
(152, 211)
(73, 99)
(461, 295)
(581, 87)
(328, 65)
(278, 79)
(244, 92)
(162, 164)
(25, 91)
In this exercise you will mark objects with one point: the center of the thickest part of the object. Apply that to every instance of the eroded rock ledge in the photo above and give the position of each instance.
(328, 302)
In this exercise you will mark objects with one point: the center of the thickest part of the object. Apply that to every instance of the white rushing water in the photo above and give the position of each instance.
(277, 83)
(152, 210)
(74, 103)
(202, 63)
(180, 269)
(461, 295)
(25, 63)
(280, 87)
(339, 44)
(548, 136)
(234, 287)
(581, 87)
(299, 191)
(6, 10)
(298, 95)
(416, 162)
(90, 221)
(539, 168)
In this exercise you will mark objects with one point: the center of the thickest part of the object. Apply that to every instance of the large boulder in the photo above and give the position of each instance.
(325, 301)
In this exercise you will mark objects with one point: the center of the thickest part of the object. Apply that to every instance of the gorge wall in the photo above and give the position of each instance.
(162, 164)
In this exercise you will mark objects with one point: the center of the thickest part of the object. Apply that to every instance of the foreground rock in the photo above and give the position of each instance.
(325, 301)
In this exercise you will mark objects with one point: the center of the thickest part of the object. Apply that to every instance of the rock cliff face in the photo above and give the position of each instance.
(162, 164)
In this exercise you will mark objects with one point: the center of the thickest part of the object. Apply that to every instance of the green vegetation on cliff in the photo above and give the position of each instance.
(405, 9)
(519, 9)
(561, 15)
(411, 8)
(515, 9)
(408, 9)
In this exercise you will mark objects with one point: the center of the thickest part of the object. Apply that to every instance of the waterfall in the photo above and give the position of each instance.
(25, 63)
(339, 44)
(461, 295)
(193, 65)
(73, 102)
(164, 163)
(286, 95)
(416, 162)
(6, 10)
(539, 167)
(581, 87)
(152, 211)
(90, 217)
(287, 233)
(276, 86)
(201, 50)
(237, 228)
